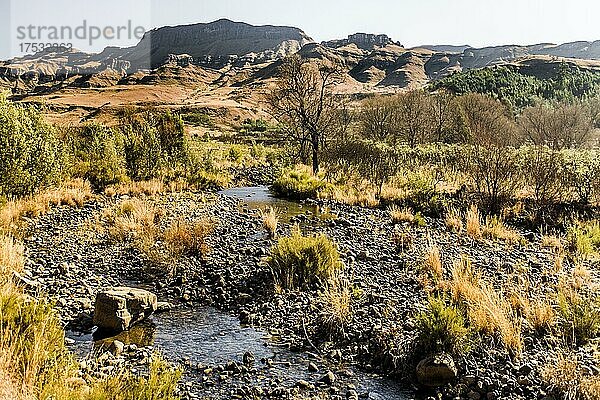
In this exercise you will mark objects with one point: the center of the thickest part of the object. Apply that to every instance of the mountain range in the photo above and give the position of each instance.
(373, 62)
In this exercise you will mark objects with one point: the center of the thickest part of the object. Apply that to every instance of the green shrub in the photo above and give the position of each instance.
(154, 143)
(442, 328)
(298, 184)
(580, 314)
(235, 154)
(258, 125)
(584, 238)
(98, 155)
(31, 155)
(300, 261)
(198, 119)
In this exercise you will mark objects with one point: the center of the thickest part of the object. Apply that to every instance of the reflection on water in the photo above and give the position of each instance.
(260, 197)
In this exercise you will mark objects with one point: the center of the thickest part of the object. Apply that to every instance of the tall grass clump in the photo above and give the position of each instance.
(583, 239)
(335, 303)
(298, 183)
(442, 327)
(580, 314)
(270, 221)
(474, 223)
(31, 154)
(488, 310)
(566, 378)
(188, 238)
(298, 261)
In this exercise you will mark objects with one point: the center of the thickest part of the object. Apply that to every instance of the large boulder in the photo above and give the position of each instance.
(436, 370)
(118, 309)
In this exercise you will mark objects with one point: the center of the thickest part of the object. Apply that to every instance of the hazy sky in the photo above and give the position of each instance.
(412, 22)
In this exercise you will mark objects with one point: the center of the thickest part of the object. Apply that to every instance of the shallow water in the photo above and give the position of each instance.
(209, 337)
(260, 198)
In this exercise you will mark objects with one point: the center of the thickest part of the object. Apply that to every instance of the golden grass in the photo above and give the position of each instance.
(352, 195)
(488, 310)
(74, 193)
(537, 309)
(399, 215)
(565, 375)
(11, 255)
(134, 219)
(270, 221)
(335, 303)
(433, 263)
(551, 242)
(495, 228)
(188, 238)
(453, 220)
(150, 187)
(474, 222)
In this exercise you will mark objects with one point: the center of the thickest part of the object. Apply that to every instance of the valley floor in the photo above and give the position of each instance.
(70, 257)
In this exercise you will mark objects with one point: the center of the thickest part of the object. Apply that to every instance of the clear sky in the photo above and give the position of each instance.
(412, 22)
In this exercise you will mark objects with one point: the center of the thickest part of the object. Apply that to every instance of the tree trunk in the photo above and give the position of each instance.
(315, 157)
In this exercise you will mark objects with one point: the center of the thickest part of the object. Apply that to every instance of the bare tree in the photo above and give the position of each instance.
(558, 127)
(379, 118)
(304, 103)
(414, 117)
(492, 162)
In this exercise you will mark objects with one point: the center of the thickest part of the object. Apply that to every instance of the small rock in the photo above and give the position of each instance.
(436, 370)
(312, 367)
(116, 348)
(328, 378)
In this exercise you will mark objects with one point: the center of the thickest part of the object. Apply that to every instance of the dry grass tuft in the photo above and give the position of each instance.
(453, 220)
(399, 215)
(565, 376)
(134, 219)
(488, 310)
(270, 221)
(188, 238)
(335, 302)
(11, 256)
(474, 222)
(433, 263)
(551, 242)
(496, 229)
(74, 194)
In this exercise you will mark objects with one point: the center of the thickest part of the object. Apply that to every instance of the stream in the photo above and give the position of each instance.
(206, 337)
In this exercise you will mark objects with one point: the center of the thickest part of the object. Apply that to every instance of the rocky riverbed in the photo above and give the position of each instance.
(285, 354)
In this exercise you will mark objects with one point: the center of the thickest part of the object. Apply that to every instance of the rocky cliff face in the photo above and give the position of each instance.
(239, 49)
(217, 44)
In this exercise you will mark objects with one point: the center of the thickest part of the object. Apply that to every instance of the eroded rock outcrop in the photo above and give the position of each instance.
(118, 309)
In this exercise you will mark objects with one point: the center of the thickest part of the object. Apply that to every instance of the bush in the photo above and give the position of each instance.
(155, 143)
(198, 119)
(580, 314)
(583, 239)
(188, 238)
(31, 155)
(99, 155)
(298, 184)
(442, 328)
(299, 261)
